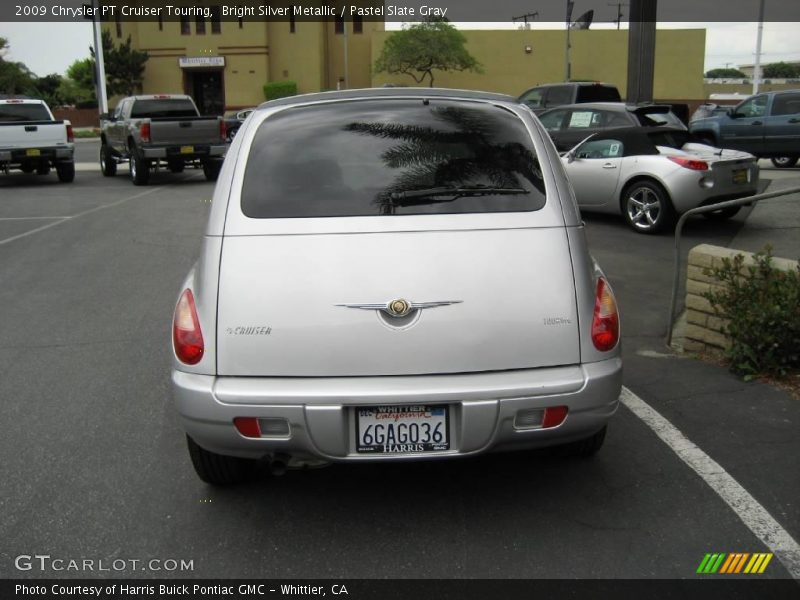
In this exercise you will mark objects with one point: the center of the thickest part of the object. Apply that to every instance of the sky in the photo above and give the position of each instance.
(728, 44)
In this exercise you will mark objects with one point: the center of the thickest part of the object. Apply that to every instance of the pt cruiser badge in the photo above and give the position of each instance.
(400, 307)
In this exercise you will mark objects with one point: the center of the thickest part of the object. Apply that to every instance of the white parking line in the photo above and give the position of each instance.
(81, 214)
(747, 508)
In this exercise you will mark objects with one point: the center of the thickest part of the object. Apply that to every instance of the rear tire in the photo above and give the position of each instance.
(66, 172)
(211, 169)
(140, 169)
(218, 469)
(784, 162)
(646, 207)
(108, 165)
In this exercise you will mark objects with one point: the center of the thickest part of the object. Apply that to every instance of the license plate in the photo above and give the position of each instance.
(740, 176)
(33, 152)
(402, 429)
(187, 149)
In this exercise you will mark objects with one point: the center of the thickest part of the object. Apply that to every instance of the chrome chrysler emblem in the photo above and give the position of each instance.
(400, 307)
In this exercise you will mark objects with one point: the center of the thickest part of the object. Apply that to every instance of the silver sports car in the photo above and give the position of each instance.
(652, 174)
(392, 274)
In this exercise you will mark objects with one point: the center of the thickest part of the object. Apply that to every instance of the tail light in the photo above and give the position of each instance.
(144, 132)
(223, 130)
(689, 163)
(70, 134)
(605, 322)
(187, 339)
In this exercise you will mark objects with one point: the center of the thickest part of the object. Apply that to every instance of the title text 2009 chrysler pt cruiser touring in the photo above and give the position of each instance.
(392, 274)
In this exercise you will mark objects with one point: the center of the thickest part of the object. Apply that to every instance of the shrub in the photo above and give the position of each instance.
(762, 305)
(279, 89)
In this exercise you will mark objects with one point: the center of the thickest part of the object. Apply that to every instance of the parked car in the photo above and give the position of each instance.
(766, 125)
(550, 95)
(651, 174)
(234, 119)
(568, 125)
(427, 293)
(31, 139)
(160, 130)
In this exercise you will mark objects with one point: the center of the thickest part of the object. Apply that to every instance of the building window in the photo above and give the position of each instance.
(199, 25)
(185, 26)
(118, 20)
(292, 24)
(216, 19)
(339, 25)
(241, 23)
(358, 24)
(160, 23)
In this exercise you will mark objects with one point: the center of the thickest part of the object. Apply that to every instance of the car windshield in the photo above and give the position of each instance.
(163, 107)
(391, 157)
(10, 113)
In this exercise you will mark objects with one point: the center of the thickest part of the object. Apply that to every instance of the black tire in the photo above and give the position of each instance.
(108, 165)
(646, 207)
(66, 172)
(232, 133)
(784, 162)
(175, 166)
(140, 169)
(211, 169)
(723, 213)
(586, 447)
(218, 469)
(43, 169)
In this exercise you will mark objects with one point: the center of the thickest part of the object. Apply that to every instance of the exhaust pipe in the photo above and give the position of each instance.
(278, 464)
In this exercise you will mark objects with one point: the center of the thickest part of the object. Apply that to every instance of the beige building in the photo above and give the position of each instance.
(224, 64)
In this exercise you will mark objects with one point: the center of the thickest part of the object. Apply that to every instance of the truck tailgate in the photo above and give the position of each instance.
(200, 130)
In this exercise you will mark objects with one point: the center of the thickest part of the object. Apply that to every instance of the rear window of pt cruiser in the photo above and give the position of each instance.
(391, 157)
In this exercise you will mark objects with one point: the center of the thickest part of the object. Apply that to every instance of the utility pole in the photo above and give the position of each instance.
(346, 56)
(99, 65)
(568, 67)
(533, 15)
(757, 65)
(619, 6)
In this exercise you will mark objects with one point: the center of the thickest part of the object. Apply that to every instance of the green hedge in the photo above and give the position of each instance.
(762, 304)
(279, 89)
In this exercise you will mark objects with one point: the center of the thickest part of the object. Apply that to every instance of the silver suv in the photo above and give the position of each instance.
(392, 274)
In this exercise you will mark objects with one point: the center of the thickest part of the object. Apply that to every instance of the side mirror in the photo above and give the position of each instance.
(571, 156)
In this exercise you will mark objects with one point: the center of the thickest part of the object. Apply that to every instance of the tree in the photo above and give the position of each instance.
(124, 67)
(781, 70)
(725, 73)
(433, 45)
(47, 88)
(78, 86)
(15, 77)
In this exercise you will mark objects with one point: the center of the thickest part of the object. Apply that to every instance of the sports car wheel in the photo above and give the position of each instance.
(646, 207)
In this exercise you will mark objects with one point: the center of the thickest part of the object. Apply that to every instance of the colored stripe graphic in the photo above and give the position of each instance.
(734, 563)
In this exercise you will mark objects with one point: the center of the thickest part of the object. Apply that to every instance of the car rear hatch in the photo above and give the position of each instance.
(437, 212)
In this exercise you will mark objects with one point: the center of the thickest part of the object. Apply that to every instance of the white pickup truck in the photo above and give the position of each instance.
(32, 140)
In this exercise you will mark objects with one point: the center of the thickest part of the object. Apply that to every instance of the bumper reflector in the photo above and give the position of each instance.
(540, 418)
(251, 427)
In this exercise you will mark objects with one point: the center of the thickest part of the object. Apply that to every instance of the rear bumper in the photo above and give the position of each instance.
(320, 411)
(45, 153)
(173, 151)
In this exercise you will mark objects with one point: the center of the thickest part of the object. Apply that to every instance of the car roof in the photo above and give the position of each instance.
(400, 92)
(618, 106)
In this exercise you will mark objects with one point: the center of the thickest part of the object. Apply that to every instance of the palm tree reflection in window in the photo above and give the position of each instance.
(465, 154)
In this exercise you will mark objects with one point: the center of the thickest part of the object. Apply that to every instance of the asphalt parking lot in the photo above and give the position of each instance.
(95, 466)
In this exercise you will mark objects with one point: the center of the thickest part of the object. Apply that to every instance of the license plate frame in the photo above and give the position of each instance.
(402, 429)
(33, 152)
(739, 176)
(187, 150)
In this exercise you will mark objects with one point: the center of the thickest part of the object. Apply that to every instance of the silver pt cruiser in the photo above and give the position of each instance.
(392, 274)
